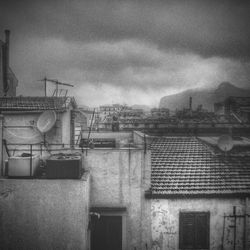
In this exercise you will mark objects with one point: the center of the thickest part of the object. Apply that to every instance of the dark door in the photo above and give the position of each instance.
(106, 233)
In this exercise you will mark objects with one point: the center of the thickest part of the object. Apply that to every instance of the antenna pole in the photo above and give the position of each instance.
(45, 86)
(57, 88)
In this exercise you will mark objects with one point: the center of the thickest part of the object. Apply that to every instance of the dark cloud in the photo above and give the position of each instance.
(134, 51)
(205, 27)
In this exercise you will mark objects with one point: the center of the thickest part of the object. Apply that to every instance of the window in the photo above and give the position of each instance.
(194, 230)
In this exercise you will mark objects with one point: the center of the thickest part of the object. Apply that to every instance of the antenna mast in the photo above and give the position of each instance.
(57, 83)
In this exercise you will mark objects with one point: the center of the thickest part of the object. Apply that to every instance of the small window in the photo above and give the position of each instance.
(194, 230)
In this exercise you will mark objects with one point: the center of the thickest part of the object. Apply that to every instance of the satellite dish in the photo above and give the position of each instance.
(225, 143)
(46, 121)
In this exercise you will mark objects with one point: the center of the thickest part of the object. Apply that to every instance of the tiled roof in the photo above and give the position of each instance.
(29, 103)
(185, 166)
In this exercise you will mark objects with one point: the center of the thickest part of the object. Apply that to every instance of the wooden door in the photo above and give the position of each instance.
(107, 233)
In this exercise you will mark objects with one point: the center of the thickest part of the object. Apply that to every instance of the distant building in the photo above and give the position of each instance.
(8, 80)
(131, 113)
(160, 112)
(239, 107)
(109, 109)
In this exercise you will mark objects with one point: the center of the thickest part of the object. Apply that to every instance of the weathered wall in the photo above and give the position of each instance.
(141, 139)
(165, 221)
(118, 136)
(1, 145)
(119, 178)
(21, 129)
(1, 69)
(66, 127)
(247, 233)
(44, 214)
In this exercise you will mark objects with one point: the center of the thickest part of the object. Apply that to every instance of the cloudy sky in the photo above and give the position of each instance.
(127, 51)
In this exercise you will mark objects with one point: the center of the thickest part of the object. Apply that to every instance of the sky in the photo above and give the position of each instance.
(128, 52)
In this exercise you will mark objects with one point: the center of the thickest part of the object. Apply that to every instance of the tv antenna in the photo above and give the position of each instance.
(57, 92)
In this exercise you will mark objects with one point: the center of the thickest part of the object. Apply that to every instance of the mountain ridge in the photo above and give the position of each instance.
(205, 97)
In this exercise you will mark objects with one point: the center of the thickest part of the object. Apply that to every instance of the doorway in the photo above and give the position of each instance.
(106, 232)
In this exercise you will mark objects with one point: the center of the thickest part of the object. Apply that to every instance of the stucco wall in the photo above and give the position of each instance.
(66, 127)
(119, 179)
(165, 221)
(21, 129)
(120, 137)
(44, 214)
(1, 69)
(141, 140)
(1, 145)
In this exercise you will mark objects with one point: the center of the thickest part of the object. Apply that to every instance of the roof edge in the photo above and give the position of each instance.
(149, 195)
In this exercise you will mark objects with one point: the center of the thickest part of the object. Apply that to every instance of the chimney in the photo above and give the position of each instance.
(190, 103)
(6, 62)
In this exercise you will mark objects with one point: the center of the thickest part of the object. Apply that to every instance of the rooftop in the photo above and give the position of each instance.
(30, 103)
(186, 166)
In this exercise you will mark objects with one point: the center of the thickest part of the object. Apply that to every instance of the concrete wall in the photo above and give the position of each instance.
(1, 69)
(247, 233)
(1, 145)
(140, 139)
(108, 134)
(120, 137)
(119, 178)
(66, 127)
(165, 221)
(20, 128)
(44, 214)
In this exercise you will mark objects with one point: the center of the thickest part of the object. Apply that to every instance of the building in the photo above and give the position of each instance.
(105, 211)
(199, 196)
(137, 192)
(119, 178)
(20, 116)
(238, 107)
(44, 213)
(8, 80)
(160, 113)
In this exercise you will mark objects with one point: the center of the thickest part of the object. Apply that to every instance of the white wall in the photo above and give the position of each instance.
(165, 221)
(119, 178)
(44, 214)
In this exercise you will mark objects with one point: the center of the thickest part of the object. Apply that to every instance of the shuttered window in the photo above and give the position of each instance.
(194, 230)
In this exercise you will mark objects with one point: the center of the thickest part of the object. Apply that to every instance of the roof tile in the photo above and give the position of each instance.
(184, 165)
(29, 103)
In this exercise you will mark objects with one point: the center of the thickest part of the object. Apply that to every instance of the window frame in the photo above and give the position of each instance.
(207, 224)
(114, 211)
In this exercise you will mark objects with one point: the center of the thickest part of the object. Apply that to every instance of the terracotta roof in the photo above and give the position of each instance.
(24, 103)
(185, 166)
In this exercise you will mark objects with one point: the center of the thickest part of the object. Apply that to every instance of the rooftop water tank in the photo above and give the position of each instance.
(23, 166)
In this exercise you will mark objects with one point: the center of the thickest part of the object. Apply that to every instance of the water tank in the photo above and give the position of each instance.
(23, 166)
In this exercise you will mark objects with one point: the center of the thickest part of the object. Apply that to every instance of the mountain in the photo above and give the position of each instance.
(206, 97)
